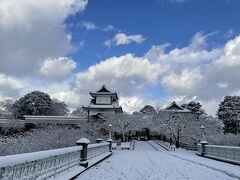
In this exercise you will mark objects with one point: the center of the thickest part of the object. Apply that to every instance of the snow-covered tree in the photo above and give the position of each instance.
(79, 112)
(59, 108)
(136, 112)
(34, 103)
(124, 124)
(195, 107)
(148, 109)
(6, 108)
(185, 127)
(193, 134)
(45, 137)
(173, 124)
(229, 114)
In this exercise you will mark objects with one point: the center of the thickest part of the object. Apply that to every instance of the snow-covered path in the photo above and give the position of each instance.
(149, 161)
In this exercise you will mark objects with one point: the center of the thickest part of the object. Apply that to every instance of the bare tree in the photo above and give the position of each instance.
(173, 124)
(79, 112)
(124, 124)
(6, 108)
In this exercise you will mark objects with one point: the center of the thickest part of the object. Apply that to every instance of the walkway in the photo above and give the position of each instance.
(151, 162)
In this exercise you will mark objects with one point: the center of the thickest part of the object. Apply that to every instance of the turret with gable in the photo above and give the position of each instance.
(103, 101)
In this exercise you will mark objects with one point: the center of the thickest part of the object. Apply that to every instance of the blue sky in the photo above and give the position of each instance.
(149, 51)
(158, 21)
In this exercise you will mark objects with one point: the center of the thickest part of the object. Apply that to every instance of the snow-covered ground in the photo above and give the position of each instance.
(149, 161)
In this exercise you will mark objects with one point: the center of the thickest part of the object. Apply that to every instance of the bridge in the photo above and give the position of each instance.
(150, 160)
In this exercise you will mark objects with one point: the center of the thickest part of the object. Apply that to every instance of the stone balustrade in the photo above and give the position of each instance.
(224, 153)
(50, 163)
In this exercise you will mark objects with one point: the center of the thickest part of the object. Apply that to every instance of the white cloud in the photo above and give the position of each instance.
(231, 56)
(57, 68)
(199, 71)
(222, 84)
(123, 39)
(131, 104)
(192, 55)
(125, 74)
(10, 86)
(184, 82)
(109, 28)
(194, 72)
(69, 97)
(187, 66)
(88, 25)
(31, 31)
(136, 103)
(229, 33)
(211, 106)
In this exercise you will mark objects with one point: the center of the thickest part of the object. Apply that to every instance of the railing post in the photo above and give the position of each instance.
(234, 154)
(84, 143)
(99, 140)
(203, 147)
(110, 144)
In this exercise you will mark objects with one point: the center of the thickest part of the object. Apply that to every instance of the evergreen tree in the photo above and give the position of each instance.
(195, 107)
(148, 109)
(229, 114)
(59, 108)
(34, 103)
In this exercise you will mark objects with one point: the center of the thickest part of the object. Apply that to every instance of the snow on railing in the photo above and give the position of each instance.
(46, 164)
(165, 145)
(226, 153)
(42, 164)
(187, 146)
(97, 149)
(125, 145)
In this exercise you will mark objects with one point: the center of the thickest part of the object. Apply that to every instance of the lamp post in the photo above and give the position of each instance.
(110, 138)
(34, 109)
(203, 142)
(203, 133)
(110, 133)
(175, 117)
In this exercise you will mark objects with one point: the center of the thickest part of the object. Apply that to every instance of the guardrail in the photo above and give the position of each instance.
(224, 153)
(48, 164)
(97, 149)
(166, 145)
(188, 146)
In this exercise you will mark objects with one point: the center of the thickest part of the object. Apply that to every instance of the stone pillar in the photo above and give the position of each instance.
(99, 140)
(203, 142)
(203, 148)
(110, 144)
(83, 159)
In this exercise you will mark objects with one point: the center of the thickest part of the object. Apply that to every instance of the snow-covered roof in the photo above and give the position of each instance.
(104, 91)
(175, 107)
